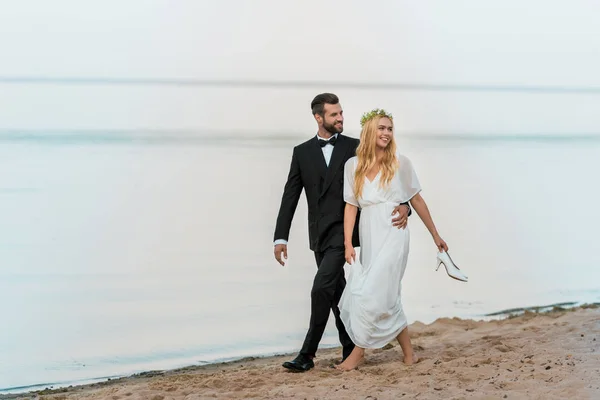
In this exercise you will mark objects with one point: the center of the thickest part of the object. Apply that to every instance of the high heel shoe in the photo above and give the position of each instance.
(451, 268)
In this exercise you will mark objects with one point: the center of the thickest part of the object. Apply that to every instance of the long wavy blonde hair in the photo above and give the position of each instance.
(367, 159)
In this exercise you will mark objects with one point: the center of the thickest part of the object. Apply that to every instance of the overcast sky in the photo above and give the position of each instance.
(464, 42)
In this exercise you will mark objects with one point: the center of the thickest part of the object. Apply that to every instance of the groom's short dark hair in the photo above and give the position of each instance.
(318, 104)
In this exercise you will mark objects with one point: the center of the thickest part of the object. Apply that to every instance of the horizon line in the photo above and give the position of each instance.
(208, 136)
(259, 83)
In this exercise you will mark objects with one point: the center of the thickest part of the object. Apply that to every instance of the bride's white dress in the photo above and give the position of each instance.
(371, 305)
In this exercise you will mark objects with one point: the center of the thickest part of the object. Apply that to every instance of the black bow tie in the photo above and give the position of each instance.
(331, 141)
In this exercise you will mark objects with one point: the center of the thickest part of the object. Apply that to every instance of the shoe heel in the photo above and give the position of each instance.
(438, 265)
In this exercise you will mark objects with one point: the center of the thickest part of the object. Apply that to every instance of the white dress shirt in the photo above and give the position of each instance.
(327, 151)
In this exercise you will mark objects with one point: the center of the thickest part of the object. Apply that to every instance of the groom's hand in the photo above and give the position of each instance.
(280, 248)
(401, 219)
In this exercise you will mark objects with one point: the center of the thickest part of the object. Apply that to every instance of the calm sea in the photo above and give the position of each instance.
(125, 255)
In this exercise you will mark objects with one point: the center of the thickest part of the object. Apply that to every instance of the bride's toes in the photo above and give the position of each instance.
(349, 364)
(341, 367)
(411, 360)
(346, 367)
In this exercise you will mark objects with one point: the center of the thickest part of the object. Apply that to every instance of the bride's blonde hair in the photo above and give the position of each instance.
(365, 152)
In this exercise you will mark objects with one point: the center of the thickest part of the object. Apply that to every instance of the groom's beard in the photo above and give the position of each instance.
(331, 128)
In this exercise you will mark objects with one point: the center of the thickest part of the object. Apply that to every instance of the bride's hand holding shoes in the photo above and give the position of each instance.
(439, 242)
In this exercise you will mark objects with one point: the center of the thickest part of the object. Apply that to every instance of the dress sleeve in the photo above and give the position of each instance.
(349, 196)
(409, 182)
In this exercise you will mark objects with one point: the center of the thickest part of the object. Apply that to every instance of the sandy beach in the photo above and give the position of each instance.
(551, 355)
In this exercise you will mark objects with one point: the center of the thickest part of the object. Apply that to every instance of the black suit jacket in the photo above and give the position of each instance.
(324, 187)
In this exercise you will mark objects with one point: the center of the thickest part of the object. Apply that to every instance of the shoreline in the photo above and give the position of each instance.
(58, 386)
(326, 356)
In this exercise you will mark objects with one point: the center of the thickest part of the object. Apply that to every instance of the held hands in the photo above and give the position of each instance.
(401, 219)
(280, 248)
(439, 242)
(350, 254)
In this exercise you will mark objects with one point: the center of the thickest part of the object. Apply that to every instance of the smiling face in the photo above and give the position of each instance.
(385, 133)
(333, 118)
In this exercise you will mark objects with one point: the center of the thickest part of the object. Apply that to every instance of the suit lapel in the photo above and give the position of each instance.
(317, 154)
(337, 157)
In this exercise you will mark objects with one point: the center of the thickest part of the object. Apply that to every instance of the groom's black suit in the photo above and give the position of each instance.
(324, 186)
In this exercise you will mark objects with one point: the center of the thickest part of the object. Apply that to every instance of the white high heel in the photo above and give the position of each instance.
(451, 268)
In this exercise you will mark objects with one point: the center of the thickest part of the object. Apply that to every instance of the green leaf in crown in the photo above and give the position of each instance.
(378, 112)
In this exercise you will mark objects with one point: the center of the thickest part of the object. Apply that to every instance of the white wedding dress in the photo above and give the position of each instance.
(371, 305)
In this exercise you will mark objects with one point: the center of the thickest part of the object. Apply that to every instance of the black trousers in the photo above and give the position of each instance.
(328, 285)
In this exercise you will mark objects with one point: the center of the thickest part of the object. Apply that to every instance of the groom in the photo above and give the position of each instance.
(318, 167)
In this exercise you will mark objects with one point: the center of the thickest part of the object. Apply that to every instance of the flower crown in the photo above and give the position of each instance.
(377, 112)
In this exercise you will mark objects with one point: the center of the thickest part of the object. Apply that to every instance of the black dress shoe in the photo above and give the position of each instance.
(301, 363)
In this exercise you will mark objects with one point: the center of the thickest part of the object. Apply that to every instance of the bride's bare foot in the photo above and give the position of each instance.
(353, 360)
(410, 360)
(404, 340)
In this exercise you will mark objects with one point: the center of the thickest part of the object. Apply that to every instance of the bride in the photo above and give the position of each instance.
(376, 180)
